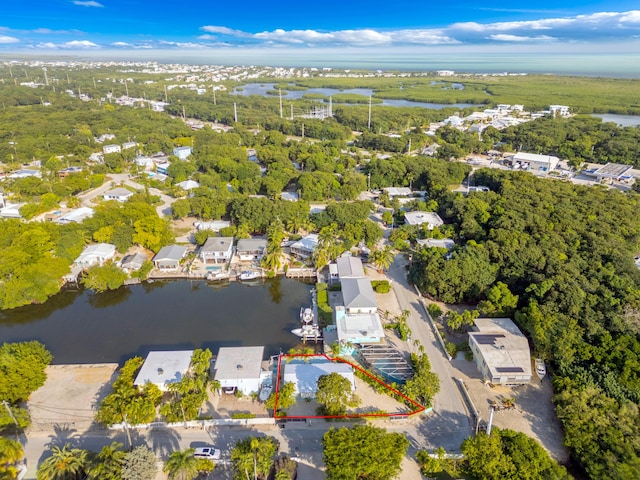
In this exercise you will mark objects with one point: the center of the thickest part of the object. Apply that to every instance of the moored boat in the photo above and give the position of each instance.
(541, 369)
(306, 316)
(307, 331)
(249, 275)
(265, 391)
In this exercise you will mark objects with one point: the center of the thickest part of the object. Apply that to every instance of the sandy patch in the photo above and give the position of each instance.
(70, 395)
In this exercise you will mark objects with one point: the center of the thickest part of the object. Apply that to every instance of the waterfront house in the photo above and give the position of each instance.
(305, 247)
(304, 376)
(96, 254)
(431, 219)
(24, 173)
(217, 250)
(133, 262)
(349, 267)
(501, 351)
(238, 369)
(164, 368)
(169, 257)
(250, 249)
(118, 194)
(358, 295)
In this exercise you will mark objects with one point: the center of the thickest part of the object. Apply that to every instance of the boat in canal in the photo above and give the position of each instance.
(308, 332)
(306, 316)
(249, 275)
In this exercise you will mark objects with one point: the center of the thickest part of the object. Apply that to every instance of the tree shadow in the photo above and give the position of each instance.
(63, 433)
(163, 441)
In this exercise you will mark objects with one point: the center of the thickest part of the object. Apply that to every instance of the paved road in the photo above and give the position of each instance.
(450, 423)
(117, 178)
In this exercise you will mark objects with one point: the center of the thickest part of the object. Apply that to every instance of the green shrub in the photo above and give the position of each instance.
(451, 348)
(243, 415)
(381, 286)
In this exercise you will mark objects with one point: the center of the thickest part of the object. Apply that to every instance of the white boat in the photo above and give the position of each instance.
(265, 391)
(541, 369)
(307, 331)
(211, 276)
(306, 316)
(249, 275)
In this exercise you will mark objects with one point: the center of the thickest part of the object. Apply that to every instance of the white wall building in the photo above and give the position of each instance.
(239, 369)
(304, 376)
(164, 368)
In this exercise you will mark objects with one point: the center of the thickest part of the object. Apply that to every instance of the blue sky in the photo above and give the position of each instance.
(46, 26)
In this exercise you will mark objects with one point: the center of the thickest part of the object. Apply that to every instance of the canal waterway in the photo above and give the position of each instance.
(84, 327)
(262, 89)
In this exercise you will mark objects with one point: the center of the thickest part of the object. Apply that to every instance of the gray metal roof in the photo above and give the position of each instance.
(171, 252)
(358, 293)
(217, 244)
(349, 267)
(250, 244)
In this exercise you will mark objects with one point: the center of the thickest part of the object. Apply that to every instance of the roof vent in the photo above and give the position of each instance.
(239, 367)
(160, 371)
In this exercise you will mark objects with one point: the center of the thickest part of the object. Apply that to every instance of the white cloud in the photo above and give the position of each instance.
(4, 39)
(224, 31)
(121, 44)
(505, 37)
(79, 44)
(88, 3)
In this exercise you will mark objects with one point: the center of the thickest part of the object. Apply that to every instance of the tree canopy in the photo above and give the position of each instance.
(363, 452)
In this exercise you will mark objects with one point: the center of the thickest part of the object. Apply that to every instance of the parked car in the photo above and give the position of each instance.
(209, 453)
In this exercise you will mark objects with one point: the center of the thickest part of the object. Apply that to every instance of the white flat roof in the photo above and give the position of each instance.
(359, 325)
(418, 218)
(238, 362)
(504, 348)
(163, 368)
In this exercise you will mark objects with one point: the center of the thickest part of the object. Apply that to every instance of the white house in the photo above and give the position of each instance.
(534, 163)
(182, 152)
(215, 225)
(358, 296)
(113, 148)
(239, 369)
(217, 250)
(128, 145)
(164, 368)
(561, 110)
(133, 262)
(188, 185)
(305, 247)
(76, 216)
(96, 254)
(501, 351)
(118, 194)
(431, 219)
(24, 173)
(250, 249)
(349, 267)
(304, 376)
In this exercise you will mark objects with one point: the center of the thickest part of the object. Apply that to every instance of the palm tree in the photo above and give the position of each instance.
(108, 465)
(65, 463)
(10, 453)
(381, 258)
(181, 465)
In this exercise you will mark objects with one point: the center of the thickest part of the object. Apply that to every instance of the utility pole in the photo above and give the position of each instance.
(303, 130)
(369, 122)
(94, 83)
(235, 112)
(291, 105)
(490, 422)
(126, 429)
(280, 90)
(6, 405)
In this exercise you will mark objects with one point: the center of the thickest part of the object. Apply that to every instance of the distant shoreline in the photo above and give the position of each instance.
(623, 65)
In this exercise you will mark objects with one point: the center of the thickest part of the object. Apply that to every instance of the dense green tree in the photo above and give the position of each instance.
(101, 278)
(140, 464)
(509, 455)
(286, 397)
(424, 384)
(334, 394)
(11, 452)
(363, 452)
(22, 369)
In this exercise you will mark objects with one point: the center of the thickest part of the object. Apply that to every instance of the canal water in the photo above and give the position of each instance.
(262, 89)
(84, 327)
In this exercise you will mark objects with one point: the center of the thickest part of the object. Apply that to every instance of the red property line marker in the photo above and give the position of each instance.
(419, 408)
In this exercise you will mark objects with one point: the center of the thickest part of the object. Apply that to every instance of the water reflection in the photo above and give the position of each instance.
(84, 327)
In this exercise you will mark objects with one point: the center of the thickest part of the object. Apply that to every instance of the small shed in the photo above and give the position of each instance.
(238, 369)
(164, 368)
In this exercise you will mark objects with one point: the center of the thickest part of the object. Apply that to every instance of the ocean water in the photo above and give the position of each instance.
(407, 59)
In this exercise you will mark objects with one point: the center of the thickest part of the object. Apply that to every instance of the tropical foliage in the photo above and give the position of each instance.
(363, 452)
(334, 395)
(253, 458)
